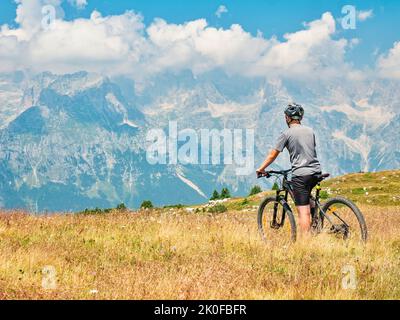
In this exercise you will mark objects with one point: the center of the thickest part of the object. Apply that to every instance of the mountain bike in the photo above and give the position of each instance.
(338, 216)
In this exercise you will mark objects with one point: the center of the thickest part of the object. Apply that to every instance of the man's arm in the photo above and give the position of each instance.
(268, 160)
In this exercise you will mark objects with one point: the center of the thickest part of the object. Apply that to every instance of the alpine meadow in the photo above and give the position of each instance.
(184, 253)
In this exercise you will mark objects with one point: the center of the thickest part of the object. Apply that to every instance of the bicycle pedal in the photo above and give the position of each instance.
(275, 226)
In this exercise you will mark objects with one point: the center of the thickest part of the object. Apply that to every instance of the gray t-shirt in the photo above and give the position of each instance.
(300, 142)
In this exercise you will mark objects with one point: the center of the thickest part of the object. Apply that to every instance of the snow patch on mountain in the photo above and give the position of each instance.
(363, 112)
(120, 108)
(229, 108)
(72, 84)
(192, 185)
(362, 145)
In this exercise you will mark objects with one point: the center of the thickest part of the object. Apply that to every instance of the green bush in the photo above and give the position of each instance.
(147, 204)
(225, 194)
(215, 195)
(219, 208)
(92, 211)
(174, 206)
(121, 207)
(255, 190)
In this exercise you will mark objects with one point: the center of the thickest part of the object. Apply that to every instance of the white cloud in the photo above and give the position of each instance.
(110, 44)
(199, 47)
(122, 44)
(389, 64)
(221, 10)
(29, 16)
(364, 15)
(310, 50)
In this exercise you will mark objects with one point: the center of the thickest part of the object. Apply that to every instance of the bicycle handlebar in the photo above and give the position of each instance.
(267, 174)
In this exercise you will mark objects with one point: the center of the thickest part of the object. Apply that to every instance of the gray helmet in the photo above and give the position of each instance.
(294, 111)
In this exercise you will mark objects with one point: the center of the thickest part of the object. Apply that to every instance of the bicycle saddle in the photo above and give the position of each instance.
(322, 176)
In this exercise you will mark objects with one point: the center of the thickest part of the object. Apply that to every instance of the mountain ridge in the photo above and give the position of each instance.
(85, 134)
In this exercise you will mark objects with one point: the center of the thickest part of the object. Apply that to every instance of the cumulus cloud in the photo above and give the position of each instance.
(195, 45)
(99, 44)
(221, 10)
(30, 15)
(308, 51)
(122, 44)
(389, 64)
(364, 15)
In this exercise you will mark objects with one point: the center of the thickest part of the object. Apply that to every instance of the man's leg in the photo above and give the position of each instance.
(302, 187)
(304, 218)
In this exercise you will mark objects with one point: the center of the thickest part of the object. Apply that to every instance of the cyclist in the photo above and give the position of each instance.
(300, 142)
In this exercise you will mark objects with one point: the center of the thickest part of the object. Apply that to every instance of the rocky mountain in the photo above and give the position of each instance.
(69, 142)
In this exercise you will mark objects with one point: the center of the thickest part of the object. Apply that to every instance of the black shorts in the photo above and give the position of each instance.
(302, 187)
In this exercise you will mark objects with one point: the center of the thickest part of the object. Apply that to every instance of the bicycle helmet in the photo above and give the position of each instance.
(294, 111)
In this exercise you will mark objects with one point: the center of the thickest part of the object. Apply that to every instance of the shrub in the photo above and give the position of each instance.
(147, 204)
(225, 194)
(219, 208)
(121, 207)
(174, 206)
(255, 190)
(92, 211)
(215, 195)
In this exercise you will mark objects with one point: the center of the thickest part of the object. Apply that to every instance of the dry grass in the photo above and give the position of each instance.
(164, 254)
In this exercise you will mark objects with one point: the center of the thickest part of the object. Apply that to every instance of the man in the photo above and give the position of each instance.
(300, 142)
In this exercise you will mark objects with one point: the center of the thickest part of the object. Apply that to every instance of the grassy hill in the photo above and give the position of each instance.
(183, 253)
(378, 188)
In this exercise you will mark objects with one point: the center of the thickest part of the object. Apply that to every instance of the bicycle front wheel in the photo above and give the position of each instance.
(276, 222)
(344, 219)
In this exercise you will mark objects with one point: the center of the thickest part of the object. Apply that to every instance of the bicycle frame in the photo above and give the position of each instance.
(284, 192)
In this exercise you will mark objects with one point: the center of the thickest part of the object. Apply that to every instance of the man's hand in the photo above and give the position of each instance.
(261, 169)
(261, 173)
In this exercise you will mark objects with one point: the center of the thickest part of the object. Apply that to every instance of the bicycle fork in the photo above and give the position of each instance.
(274, 223)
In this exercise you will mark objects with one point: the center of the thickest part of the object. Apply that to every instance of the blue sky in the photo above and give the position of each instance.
(271, 17)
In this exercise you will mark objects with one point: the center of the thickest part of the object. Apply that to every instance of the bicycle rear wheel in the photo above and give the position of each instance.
(276, 222)
(344, 219)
